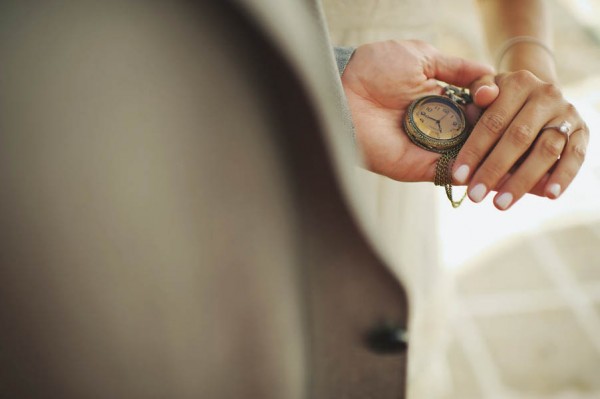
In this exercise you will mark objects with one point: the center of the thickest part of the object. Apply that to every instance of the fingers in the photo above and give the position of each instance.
(509, 151)
(544, 155)
(517, 140)
(532, 175)
(485, 91)
(488, 131)
(455, 70)
(570, 162)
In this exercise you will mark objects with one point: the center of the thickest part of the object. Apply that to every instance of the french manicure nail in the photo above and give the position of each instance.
(478, 90)
(554, 189)
(504, 200)
(461, 174)
(478, 192)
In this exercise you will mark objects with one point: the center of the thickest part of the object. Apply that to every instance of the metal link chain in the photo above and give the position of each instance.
(443, 168)
(443, 176)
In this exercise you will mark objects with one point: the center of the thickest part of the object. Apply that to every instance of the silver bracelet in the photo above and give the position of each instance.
(521, 39)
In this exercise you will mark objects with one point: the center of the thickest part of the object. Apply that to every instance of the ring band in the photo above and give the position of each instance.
(564, 127)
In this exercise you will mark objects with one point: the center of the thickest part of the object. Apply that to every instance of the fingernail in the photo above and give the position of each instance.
(478, 192)
(461, 174)
(482, 87)
(554, 189)
(504, 200)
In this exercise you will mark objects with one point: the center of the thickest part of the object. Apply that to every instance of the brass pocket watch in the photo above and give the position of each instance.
(437, 123)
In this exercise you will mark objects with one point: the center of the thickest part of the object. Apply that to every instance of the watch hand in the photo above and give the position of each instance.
(427, 116)
(439, 126)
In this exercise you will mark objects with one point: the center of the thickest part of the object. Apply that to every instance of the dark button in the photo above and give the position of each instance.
(387, 339)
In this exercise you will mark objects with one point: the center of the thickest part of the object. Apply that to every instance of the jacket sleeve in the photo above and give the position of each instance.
(342, 57)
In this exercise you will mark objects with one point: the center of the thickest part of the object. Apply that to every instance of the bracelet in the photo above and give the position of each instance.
(521, 39)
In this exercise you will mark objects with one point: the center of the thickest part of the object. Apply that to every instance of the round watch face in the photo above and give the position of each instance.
(436, 123)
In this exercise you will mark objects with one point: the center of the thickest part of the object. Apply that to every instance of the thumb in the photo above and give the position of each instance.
(455, 70)
(484, 90)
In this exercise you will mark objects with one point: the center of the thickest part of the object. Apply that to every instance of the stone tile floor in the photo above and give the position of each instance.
(534, 338)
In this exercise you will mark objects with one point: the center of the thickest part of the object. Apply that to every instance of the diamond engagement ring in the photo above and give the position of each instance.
(564, 127)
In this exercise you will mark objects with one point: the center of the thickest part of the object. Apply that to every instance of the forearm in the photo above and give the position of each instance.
(506, 19)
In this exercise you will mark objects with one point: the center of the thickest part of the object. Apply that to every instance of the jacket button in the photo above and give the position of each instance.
(387, 340)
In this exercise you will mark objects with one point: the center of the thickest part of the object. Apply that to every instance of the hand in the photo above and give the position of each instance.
(509, 153)
(380, 82)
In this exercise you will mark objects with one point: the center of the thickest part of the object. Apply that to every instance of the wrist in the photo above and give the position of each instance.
(531, 56)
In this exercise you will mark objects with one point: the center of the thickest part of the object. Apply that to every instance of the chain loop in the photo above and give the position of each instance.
(443, 169)
(443, 175)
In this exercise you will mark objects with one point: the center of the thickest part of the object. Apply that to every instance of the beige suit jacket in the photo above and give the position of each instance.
(178, 218)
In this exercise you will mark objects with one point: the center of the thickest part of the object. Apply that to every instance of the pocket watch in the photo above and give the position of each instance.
(438, 123)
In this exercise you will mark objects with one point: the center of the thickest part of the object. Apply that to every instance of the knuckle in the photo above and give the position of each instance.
(385, 44)
(550, 90)
(413, 41)
(393, 42)
(501, 78)
(568, 174)
(494, 122)
(491, 172)
(551, 148)
(417, 43)
(518, 186)
(585, 127)
(521, 135)
(571, 110)
(579, 151)
(523, 78)
(586, 131)
(470, 155)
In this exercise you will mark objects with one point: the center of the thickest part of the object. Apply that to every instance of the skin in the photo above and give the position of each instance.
(506, 152)
(380, 81)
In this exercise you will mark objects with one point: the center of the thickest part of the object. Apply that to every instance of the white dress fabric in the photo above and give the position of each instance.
(403, 215)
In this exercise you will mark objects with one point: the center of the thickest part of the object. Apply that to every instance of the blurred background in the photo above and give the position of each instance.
(505, 304)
